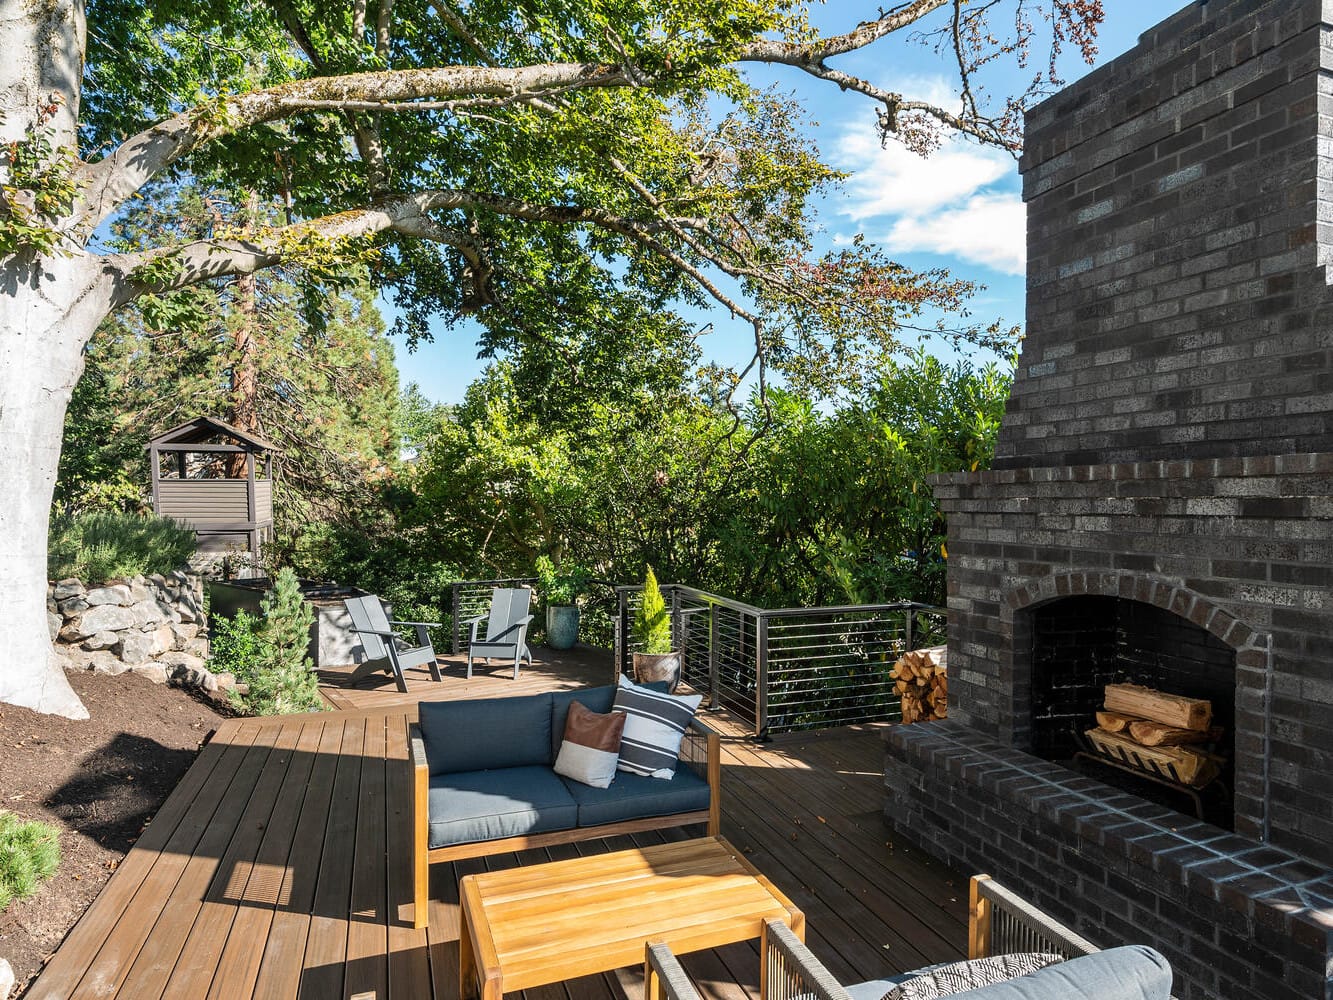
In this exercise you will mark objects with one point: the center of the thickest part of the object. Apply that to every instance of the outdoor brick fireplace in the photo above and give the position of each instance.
(1160, 511)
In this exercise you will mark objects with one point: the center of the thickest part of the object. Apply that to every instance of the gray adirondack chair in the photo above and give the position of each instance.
(384, 649)
(506, 629)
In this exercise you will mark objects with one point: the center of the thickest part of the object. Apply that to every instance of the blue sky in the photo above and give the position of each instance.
(960, 208)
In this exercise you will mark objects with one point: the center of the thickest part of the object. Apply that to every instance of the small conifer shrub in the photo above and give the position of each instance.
(29, 855)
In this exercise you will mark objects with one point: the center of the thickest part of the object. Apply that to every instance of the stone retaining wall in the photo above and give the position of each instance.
(153, 626)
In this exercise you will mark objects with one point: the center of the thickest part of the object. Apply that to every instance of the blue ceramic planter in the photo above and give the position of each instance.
(562, 626)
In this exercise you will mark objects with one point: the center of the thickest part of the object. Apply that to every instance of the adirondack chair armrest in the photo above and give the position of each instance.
(385, 634)
(420, 825)
(474, 621)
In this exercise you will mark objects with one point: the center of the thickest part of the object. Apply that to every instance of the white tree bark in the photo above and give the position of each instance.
(47, 314)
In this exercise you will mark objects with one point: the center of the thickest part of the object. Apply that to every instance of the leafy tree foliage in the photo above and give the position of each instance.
(829, 505)
(543, 166)
(314, 375)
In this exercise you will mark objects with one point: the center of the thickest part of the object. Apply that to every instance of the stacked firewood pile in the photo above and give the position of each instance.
(1158, 732)
(922, 681)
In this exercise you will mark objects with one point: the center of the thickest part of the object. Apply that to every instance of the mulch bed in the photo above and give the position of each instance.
(100, 781)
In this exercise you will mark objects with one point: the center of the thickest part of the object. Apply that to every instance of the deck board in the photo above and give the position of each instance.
(280, 866)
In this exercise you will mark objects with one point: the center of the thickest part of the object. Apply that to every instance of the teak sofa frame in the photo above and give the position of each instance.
(423, 856)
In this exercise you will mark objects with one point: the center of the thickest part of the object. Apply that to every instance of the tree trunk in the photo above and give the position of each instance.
(49, 310)
(245, 368)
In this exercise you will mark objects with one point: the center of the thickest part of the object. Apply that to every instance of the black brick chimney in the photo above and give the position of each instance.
(1169, 445)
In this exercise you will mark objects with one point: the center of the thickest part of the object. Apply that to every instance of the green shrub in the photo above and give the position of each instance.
(106, 545)
(652, 622)
(563, 586)
(29, 854)
(268, 654)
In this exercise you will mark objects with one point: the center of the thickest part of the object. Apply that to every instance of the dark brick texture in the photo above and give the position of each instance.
(1161, 507)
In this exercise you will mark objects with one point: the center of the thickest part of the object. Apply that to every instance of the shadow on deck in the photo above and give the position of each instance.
(279, 867)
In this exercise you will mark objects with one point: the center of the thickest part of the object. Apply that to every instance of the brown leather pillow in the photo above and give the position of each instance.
(591, 747)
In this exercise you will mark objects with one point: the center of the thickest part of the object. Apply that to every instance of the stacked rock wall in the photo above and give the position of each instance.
(154, 626)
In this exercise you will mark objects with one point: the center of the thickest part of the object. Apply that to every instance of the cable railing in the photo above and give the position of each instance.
(778, 669)
(789, 669)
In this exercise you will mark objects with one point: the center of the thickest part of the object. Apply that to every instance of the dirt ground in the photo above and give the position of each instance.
(100, 781)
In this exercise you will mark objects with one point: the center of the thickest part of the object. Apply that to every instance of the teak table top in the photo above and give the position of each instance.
(546, 923)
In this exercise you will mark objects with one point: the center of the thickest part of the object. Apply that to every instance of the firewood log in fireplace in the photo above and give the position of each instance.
(1157, 706)
(921, 679)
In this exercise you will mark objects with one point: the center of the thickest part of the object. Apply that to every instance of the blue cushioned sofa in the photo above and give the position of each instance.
(484, 783)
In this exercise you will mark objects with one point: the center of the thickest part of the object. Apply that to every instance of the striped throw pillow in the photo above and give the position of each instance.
(655, 723)
(963, 977)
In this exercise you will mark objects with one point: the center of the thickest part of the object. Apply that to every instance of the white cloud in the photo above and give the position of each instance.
(990, 229)
(960, 201)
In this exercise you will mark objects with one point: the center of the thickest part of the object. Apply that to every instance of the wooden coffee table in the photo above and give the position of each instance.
(547, 923)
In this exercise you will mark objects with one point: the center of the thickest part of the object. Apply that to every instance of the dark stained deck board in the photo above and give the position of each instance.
(280, 867)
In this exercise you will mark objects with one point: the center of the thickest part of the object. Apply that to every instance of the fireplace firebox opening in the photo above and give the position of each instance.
(1080, 644)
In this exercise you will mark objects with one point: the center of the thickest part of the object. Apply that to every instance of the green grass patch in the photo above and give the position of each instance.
(29, 855)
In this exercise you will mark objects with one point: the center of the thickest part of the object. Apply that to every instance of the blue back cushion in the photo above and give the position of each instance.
(487, 733)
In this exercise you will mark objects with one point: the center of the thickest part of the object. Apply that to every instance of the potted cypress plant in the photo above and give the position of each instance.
(561, 589)
(654, 660)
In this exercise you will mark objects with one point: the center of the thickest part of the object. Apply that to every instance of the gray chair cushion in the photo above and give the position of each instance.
(1135, 972)
(597, 699)
(487, 733)
(488, 805)
(635, 796)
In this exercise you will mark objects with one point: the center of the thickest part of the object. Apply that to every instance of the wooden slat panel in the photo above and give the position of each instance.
(204, 499)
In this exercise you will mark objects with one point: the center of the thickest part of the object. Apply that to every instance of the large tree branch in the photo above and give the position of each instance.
(800, 54)
(171, 268)
(110, 181)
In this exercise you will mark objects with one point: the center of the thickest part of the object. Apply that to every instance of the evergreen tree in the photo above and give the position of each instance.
(311, 372)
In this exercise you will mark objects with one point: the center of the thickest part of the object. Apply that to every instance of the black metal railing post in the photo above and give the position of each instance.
(761, 677)
(455, 610)
(712, 657)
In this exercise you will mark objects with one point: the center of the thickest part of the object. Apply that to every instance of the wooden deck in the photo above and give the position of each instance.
(279, 867)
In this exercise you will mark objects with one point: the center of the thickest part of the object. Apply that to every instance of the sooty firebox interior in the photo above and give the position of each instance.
(1081, 644)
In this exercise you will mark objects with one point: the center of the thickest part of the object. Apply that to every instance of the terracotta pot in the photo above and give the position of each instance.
(657, 667)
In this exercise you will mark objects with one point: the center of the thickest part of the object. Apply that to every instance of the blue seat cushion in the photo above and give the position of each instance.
(1135, 972)
(636, 796)
(596, 699)
(488, 805)
(463, 736)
